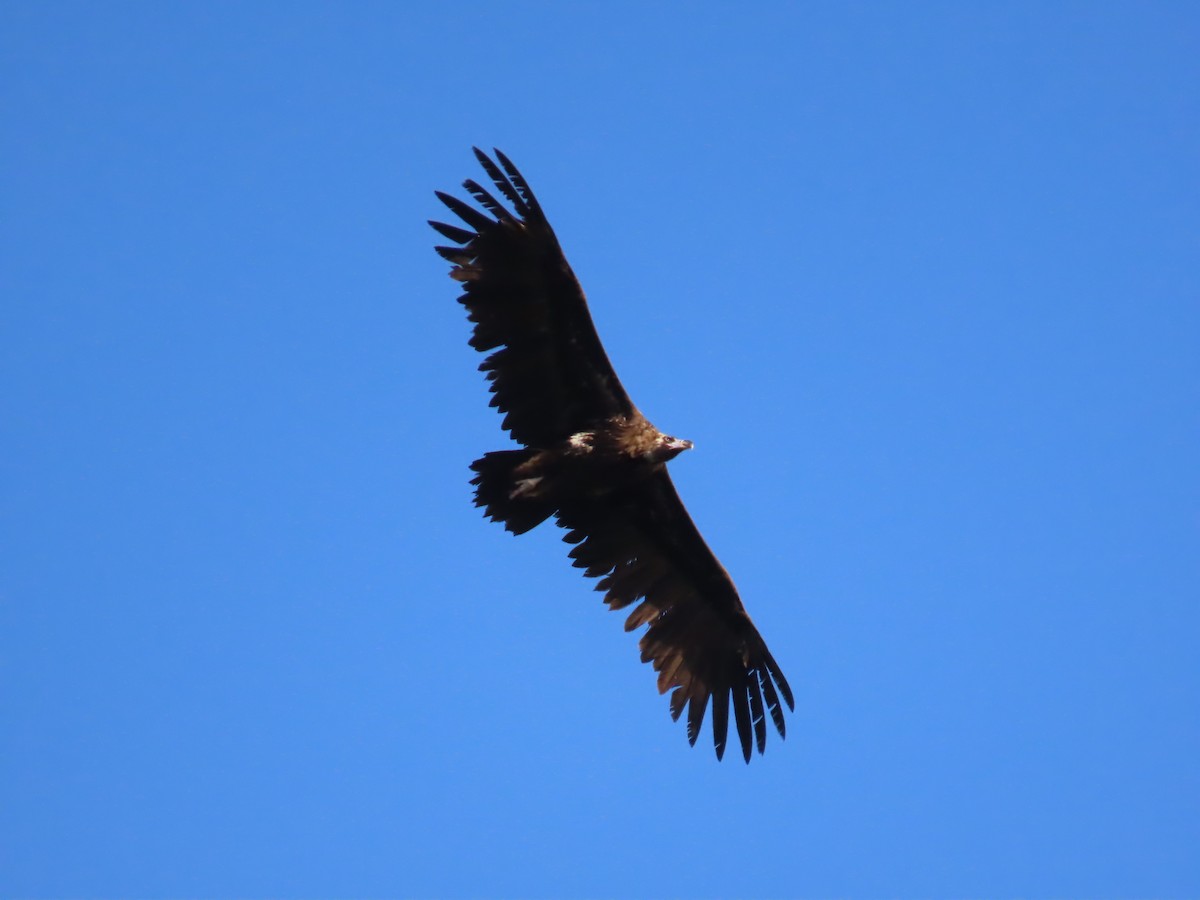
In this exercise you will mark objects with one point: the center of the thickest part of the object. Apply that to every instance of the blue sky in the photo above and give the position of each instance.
(920, 280)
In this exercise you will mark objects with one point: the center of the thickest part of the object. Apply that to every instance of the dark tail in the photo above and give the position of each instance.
(503, 496)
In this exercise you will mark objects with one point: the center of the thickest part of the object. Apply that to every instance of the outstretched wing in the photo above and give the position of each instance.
(643, 545)
(549, 373)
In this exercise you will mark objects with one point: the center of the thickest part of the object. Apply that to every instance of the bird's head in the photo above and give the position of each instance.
(667, 447)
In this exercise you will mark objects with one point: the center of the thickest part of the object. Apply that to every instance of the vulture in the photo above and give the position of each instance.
(592, 462)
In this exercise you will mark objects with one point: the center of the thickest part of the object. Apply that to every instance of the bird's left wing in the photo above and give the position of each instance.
(643, 545)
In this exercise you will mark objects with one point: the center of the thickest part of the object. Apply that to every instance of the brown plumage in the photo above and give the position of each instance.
(598, 466)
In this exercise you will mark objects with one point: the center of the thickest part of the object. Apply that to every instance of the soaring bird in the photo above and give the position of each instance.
(593, 462)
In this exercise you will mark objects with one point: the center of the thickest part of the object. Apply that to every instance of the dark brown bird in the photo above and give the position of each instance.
(592, 461)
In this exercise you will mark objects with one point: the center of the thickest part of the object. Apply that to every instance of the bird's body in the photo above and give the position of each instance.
(617, 454)
(592, 461)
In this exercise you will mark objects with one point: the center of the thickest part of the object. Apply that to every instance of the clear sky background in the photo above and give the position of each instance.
(922, 282)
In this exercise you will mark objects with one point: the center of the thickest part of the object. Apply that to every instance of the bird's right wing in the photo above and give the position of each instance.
(549, 372)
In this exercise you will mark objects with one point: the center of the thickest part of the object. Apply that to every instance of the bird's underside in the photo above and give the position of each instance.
(592, 462)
